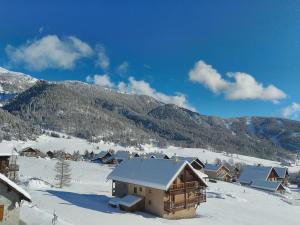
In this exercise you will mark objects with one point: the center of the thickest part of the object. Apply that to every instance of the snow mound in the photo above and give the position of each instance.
(37, 183)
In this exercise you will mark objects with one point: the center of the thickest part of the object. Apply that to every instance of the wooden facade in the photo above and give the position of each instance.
(181, 199)
(8, 168)
(30, 152)
(222, 173)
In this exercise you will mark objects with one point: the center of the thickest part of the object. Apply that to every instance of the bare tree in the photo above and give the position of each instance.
(63, 172)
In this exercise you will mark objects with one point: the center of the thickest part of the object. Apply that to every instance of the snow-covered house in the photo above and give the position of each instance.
(265, 178)
(105, 157)
(218, 172)
(11, 196)
(8, 163)
(283, 175)
(167, 188)
(194, 161)
(30, 152)
(121, 155)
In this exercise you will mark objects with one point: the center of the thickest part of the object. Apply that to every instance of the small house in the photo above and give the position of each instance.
(218, 172)
(105, 157)
(283, 175)
(11, 196)
(194, 161)
(30, 152)
(265, 178)
(170, 189)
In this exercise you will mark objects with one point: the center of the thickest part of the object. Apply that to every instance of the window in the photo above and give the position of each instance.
(135, 190)
(149, 202)
(140, 189)
(1, 212)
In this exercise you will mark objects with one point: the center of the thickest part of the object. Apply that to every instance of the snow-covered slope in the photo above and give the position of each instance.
(12, 83)
(85, 201)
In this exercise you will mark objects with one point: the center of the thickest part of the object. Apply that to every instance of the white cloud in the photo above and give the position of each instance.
(49, 52)
(102, 58)
(101, 80)
(143, 88)
(207, 75)
(244, 86)
(123, 68)
(292, 111)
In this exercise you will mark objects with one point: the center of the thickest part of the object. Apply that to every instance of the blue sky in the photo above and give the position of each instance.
(225, 58)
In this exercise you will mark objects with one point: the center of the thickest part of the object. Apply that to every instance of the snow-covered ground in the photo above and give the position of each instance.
(45, 143)
(85, 201)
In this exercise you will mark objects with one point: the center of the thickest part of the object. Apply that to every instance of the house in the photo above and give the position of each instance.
(170, 189)
(30, 152)
(121, 156)
(8, 164)
(11, 196)
(218, 172)
(105, 157)
(265, 178)
(135, 154)
(194, 161)
(283, 175)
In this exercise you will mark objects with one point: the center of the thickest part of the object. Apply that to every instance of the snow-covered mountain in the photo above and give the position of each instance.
(12, 83)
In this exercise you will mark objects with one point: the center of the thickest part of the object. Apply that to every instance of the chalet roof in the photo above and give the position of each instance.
(266, 185)
(8, 152)
(155, 173)
(251, 173)
(101, 154)
(212, 167)
(157, 155)
(281, 171)
(122, 155)
(15, 187)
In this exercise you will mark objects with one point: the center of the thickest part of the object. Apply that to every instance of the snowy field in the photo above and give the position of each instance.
(85, 201)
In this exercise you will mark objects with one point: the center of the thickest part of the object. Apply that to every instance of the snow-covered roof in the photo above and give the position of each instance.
(130, 200)
(101, 154)
(251, 173)
(122, 155)
(155, 173)
(212, 167)
(15, 187)
(8, 152)
(281, 171)
(157, 155)
(266, 185)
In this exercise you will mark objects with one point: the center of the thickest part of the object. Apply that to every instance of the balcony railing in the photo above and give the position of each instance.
(186, 185)
(191, 202)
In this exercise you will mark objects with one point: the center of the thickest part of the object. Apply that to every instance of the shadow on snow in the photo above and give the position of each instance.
(90, 201)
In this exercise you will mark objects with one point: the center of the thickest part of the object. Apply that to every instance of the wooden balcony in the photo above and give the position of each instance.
(186, 185)
(191, 202)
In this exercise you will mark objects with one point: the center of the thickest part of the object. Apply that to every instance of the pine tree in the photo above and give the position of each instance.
(63, 172)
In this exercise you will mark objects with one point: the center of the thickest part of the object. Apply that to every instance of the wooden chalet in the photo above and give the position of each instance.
(106, 157)
(218, 172)
(260, 177)
(170, 189)
(30, 152)
(283, 175)
(8, 164)
(195, 162)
